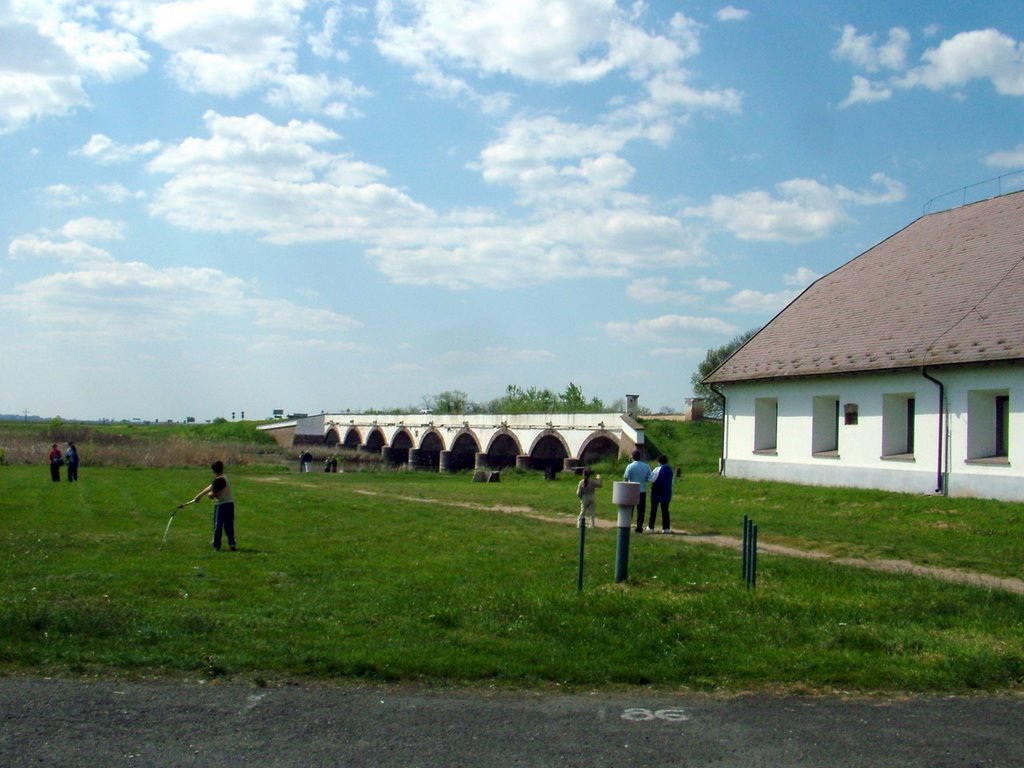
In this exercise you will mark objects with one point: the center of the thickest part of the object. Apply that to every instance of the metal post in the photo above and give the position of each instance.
(625, 496)
(622, 551)
(749, 552)
(583, 539)
(753, 557)
(746, 533)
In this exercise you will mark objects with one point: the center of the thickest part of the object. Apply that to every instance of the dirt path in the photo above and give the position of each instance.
(888, 566)
(953, 575)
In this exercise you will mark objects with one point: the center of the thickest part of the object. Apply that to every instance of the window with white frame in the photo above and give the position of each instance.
(988, 425)
(898, 425)
(825, 426)
(766, 424)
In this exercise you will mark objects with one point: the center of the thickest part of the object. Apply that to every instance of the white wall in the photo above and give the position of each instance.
(859, 460)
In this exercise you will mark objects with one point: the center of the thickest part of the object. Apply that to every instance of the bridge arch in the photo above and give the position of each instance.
(375, 440)
(431, 440)
(332, 437)
(503, 450)
(397, 454)
(548, 444)
(428, 455)
(463, 451)
(465, 441)
(353, 439)
(548, 452)
(597, 447)
(401, 440)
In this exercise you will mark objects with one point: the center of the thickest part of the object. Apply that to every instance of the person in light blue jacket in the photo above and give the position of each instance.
(638, 471)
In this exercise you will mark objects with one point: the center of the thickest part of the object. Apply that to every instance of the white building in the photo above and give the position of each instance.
(901, 370)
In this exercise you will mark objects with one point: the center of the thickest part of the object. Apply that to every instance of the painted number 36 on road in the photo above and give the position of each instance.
(642, 715)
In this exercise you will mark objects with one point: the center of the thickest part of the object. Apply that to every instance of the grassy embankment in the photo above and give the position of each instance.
(418, 576)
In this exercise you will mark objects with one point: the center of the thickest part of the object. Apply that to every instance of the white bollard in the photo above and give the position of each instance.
(625, 496)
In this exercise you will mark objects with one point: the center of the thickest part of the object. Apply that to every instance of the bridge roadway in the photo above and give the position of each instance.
(450, 442)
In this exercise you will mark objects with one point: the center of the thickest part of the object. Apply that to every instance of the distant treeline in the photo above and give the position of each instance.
(516, 400)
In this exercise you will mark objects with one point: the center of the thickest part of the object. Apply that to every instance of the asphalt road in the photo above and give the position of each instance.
(96, 724)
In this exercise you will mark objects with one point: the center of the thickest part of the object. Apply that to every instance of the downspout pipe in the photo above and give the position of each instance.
(725, 428)
(940, 484)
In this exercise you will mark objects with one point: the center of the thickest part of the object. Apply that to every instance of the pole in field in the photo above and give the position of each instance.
(625, 496)
(583, 539)
(749, 552)
(746, 535)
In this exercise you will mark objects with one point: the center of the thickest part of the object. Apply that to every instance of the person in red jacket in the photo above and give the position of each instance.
(56, 462)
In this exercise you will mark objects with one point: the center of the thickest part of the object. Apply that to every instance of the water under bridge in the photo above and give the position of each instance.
(449, 442)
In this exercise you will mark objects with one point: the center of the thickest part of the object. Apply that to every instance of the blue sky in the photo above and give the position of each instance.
(217, 206)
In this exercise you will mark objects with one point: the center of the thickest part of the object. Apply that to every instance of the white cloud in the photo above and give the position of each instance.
(489, 356)
(985, 54)
(37, 77)
(549, 161)
(64, 196)
(106, 151)
(91, 37)
(288, 345)
(125, 300)
(729, 13)
(800, 210)
(252, 175)
(89, 228)
(801, 278)
(864, 91)
(279, 315)
(316, 94)
(110, 54)
(49, 50)
(572, 244)
(226, 48)
(282, 183)
(118, 193)
(671, 89)
(322, 40)
(673, 351)
(1007, 158)
(129, 300)
(526, 153)
(655, 290)
(756, 301)
(43, 245)
(864, 52)
(708, 285)
(455, 48)
(665, 327)
(548, 41)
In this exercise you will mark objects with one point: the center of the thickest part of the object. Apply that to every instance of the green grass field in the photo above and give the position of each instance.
(432, 578)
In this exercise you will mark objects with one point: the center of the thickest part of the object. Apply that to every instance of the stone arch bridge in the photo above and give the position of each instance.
(451, 442)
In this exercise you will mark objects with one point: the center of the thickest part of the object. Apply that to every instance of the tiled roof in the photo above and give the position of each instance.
(946, 290)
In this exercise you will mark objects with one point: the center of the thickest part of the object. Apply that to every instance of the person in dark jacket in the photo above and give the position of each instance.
(661, 494)
(71, 458)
